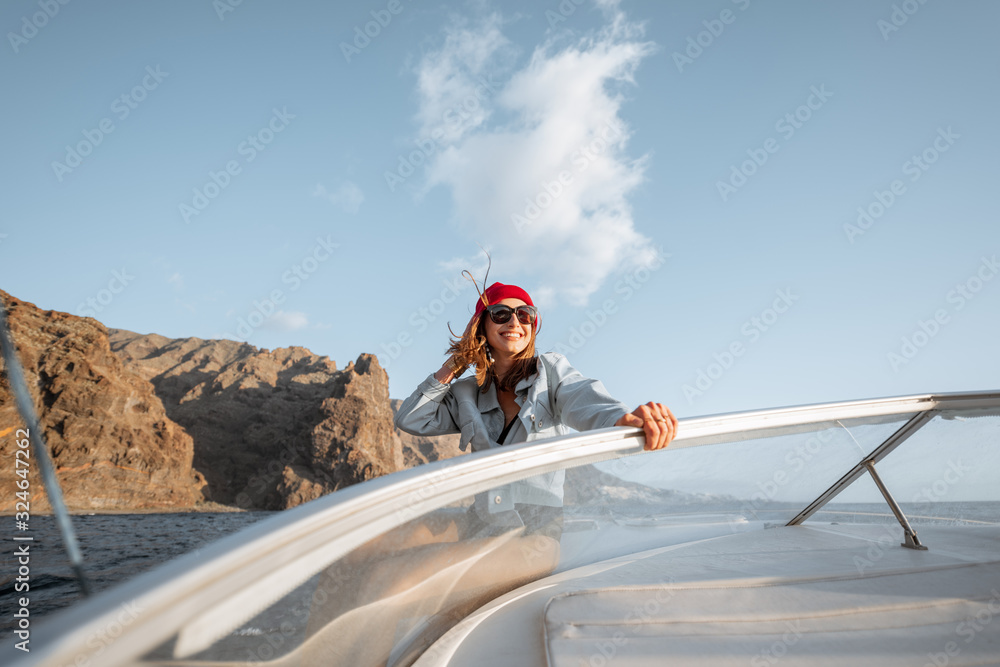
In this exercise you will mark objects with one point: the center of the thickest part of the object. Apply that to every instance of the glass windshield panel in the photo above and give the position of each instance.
(770, 478)
(947, 472)
(390, 599)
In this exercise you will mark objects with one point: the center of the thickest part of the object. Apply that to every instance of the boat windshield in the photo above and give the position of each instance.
(389, 598)
(377, 573)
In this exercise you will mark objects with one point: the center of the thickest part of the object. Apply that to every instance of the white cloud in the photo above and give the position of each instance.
(177, 280)
(564, 239)
(348, 196)
(456, 83)
(286, 321)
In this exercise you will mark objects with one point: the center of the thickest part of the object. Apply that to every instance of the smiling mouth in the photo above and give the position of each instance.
(512, 336)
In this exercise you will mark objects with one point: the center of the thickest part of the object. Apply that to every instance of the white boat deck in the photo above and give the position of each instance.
(804, 595)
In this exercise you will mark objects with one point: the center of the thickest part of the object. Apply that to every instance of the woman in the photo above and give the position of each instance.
(516, 396)
(417, 580)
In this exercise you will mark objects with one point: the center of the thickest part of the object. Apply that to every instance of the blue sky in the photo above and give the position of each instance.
(676, 183)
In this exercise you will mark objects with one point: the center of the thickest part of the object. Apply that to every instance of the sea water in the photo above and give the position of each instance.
(115, 548)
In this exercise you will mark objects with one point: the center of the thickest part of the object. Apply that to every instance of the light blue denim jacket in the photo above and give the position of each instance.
(554, 400)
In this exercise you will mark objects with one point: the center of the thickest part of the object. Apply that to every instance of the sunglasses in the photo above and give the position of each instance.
(501, 314)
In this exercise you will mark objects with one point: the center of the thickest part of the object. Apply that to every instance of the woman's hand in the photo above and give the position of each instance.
(455, 365)
(450, 370)
(656, 420)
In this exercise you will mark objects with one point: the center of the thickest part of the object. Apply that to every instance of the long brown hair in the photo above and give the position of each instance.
(472, 349)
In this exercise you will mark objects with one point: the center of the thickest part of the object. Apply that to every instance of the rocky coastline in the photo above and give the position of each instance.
(144, 423)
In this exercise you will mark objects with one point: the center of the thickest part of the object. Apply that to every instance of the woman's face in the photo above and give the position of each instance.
(511, 337)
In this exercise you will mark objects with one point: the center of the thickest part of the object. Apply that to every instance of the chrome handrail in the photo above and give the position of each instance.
(701, 427)
(198, 595)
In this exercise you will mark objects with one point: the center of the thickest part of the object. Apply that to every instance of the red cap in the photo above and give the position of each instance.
(498, 292)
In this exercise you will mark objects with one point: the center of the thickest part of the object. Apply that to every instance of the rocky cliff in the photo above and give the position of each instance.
(272, 429)
(145, 422)
(112, 443)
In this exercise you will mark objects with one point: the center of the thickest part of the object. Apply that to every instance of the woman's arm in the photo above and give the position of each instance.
(431, 409)
(584, 404)
(580, 402)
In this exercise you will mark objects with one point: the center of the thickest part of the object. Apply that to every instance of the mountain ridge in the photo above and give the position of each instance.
(150, 423)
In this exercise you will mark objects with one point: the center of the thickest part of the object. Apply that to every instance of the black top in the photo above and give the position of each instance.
(506, 430)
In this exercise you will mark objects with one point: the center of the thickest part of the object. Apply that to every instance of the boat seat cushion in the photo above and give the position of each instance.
(936, 615)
